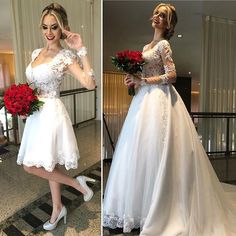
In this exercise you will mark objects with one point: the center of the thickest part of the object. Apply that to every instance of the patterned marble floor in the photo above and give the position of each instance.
(26, 201)
(118, 232)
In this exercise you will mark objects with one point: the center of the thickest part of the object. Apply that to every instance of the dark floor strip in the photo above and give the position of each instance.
(65, 200)
(12, 231)
(46, 208)
(32, 220)
(93, 176)
(74, 191)
(3, 151)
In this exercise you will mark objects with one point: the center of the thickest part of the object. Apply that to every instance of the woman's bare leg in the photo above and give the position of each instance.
(56, 175)
(56, 199)
(55, 179)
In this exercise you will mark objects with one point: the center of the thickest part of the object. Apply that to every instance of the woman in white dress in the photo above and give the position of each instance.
(161, 179)
(48, 138)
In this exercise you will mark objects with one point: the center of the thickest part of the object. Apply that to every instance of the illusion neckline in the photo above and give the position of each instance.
(46, 63)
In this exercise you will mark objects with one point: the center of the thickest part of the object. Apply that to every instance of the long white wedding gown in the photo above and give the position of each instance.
(48, 137)
(161, 179)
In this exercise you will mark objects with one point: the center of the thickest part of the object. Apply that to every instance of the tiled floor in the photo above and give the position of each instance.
(118, 232)
(26, 202)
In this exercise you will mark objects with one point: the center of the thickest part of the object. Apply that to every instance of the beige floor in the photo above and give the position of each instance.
(84, 221)
(18, 189)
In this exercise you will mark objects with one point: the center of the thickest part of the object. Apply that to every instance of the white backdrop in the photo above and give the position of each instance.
(218, 83)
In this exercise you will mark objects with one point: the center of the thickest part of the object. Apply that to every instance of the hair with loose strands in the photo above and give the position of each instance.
(171, 19)
(59, 13)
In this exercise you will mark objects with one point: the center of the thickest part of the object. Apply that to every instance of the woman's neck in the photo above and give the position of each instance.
(158, 35)
(53, 47)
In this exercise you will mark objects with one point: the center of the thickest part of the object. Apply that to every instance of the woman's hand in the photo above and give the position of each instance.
(23, 117)
(73, 40)
(132, 80)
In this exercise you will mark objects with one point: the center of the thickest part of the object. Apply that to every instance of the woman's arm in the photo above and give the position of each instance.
(166, 78)
(85, 75)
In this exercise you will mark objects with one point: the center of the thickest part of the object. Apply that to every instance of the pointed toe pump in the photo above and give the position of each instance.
(50, 226)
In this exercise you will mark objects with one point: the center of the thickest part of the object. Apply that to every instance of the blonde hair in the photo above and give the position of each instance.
(171, 19)
(59, 13)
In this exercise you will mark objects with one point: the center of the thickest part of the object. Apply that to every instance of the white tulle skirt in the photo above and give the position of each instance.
(161, 179)
(48, 138)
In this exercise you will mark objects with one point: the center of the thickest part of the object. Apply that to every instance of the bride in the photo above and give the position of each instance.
(48, 139)
(161, 180)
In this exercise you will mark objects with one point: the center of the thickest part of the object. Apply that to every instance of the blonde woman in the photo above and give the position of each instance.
(161, 180)
(48, 138)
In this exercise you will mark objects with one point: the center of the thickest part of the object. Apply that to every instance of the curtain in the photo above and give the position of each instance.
(116, 103)
(4, 76)
(218, 83)
(82, 16)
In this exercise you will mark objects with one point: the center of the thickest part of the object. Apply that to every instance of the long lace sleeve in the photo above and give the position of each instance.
(166, 55)
(70, 57)
(160, 67)
(63, 60)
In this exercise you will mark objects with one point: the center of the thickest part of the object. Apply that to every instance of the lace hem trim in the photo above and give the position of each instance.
(68, 164)
(127, 223)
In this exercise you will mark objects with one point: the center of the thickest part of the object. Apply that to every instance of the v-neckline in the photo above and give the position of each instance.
(33, 67)
(150, 49)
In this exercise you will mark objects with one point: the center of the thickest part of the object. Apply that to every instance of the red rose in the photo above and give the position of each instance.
(130, 62)
(19, 98)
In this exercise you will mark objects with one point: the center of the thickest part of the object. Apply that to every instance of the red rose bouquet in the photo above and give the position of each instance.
(21, 100)
(131, 62)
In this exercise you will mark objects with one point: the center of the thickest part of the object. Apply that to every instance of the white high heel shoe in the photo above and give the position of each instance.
(89, 192)
(50, 226)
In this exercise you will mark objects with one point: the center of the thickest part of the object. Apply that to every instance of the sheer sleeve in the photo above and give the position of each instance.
(62, 61)
(160, 68)
(69, 58)
(35, 53)
(168, 63)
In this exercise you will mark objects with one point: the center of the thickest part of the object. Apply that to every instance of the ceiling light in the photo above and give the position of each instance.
(179, 35)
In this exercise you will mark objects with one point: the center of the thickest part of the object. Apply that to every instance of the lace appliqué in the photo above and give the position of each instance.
(166, 54)
(164, 79)
(82, 52)
(159, 61)
(164, 113)
(61, 63)
(47, 77)
(90, 74)
(70, 162)
(127, 223)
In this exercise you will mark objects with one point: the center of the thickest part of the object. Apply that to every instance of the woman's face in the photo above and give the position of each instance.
(159, 19)
(50, 29)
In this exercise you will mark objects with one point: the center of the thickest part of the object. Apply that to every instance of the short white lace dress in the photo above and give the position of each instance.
(48, 137)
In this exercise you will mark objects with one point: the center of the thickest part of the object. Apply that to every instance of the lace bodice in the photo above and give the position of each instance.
(159, 59)
(47, 77)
